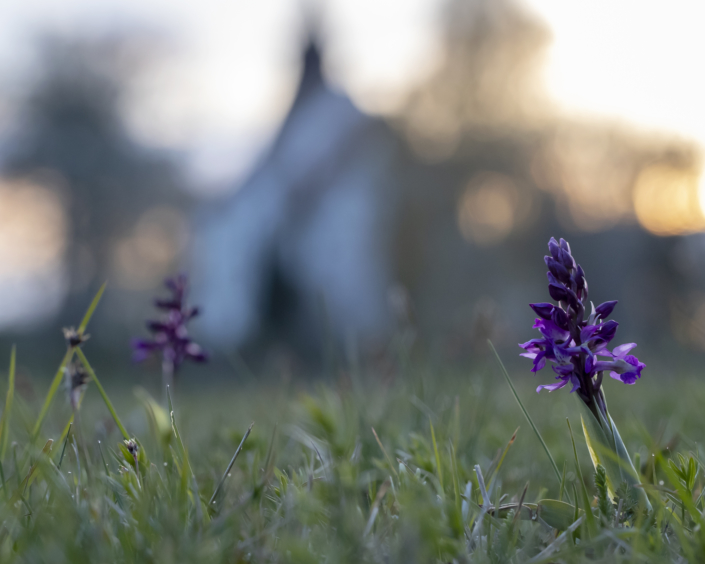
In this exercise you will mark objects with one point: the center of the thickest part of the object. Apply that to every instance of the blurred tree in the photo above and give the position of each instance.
(72, 129)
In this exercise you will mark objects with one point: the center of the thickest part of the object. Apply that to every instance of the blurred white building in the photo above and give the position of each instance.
(302, 248)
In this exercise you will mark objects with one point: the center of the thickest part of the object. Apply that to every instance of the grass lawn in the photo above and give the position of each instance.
(437, 480)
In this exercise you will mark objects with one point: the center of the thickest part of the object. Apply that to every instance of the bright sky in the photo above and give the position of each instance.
(638, 60)
(232, 65)
(229, 73)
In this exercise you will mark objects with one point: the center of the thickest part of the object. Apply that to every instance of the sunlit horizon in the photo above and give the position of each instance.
(631, 60)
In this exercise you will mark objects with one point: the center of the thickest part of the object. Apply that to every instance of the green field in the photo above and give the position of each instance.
(313, 484)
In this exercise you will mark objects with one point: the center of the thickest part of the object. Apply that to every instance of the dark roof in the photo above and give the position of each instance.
(312, 74)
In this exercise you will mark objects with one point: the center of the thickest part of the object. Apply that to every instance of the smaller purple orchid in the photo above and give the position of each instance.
(170, 334)
(571, 339)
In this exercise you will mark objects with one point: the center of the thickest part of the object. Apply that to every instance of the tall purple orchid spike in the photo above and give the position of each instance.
(170, 335)
(572, 338)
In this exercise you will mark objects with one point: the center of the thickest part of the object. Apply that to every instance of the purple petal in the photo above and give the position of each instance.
(630, 377)
(191, 312)
(534, 345)
(543, 310)
(167, 304)
(557, 269)
(576, 383)
(144, 345)
(605, 309)
(564, 353)
(563, 369)
(566, 260)
(560, 318)
(177, 284)
(552, 387)
(558, 292)
(622, 350)
(142, 349)
(539, 362)
(581, 286)
(554, 248)
(157, 326)
(606, 332)
(627, 377)
(550, 330)
(588, 332)
(196, 353)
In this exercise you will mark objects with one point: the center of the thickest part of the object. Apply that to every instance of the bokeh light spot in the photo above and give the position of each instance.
(487, 208)
(33, 239)
(32, 228)
(667, 201)
(148, 254)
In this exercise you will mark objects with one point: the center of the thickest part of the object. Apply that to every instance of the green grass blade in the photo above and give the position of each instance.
(562, 490)
(4, 483)
(486, 502)
(526, 413)
(56, 382)
(67, 427)
(102, 457)
(577, 508)
(545, 554)
(384, 451)
(5, 422)
(63, 450)
(456, 479)
(438, 458)
(590, 518)
(106, 399)
(91, 309)
(230, 466)
(494, 469)
(31, 474)
(186, 462)
(271, 456)
(16, 464)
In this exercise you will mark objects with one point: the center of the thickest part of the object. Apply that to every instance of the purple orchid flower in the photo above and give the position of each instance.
(572, 341)
(170, 334)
